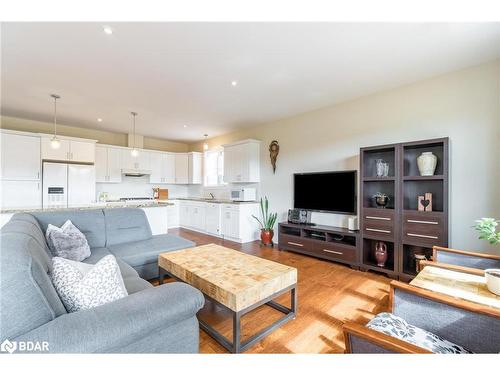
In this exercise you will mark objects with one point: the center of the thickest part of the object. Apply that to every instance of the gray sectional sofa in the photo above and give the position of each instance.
(149, 320)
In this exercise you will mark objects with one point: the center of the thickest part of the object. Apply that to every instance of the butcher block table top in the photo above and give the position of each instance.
(234, 279)
(456, 284)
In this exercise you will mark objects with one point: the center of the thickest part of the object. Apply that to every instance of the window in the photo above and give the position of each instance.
(214, 167)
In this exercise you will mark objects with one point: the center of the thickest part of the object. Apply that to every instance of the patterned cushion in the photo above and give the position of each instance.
(67, 242)
(82, 286)
(394, 326)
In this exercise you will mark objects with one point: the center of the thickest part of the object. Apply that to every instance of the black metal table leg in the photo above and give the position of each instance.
(160, 275)
(236, 332)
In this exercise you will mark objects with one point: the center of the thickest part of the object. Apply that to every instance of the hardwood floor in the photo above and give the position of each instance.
(328, 295)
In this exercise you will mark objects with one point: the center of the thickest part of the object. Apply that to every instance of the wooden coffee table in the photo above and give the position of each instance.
(236, 281)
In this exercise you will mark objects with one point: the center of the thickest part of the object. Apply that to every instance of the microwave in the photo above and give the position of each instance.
(243, 194)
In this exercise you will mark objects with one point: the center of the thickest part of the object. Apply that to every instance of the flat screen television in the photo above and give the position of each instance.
(326, 192)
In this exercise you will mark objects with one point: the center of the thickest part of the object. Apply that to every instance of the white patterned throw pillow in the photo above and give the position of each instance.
(81, 286)
(67, 242)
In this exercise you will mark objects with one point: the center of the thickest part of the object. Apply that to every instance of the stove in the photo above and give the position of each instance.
(136, 199)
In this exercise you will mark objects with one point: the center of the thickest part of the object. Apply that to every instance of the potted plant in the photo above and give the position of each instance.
(487, 231)
(266, 222)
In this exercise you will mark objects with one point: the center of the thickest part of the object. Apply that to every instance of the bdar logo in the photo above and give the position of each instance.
(8, 346)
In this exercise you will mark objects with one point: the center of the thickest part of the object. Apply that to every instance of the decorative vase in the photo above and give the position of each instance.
(381, 201)
(266, 236)
(427, 162)
(381, 254)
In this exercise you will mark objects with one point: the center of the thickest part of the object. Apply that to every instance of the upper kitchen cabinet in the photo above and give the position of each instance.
(74, 150)
(20, 157)
(108, 165)
(181, 168)
(162, 168)
(242, 162)
(195, 167)
(139, 162)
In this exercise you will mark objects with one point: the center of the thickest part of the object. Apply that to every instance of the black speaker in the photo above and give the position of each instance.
(298, 216)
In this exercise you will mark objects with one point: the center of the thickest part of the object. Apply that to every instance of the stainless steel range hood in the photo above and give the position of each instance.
(136, 172)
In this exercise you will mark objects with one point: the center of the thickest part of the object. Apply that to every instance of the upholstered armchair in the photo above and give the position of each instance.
(465, 324)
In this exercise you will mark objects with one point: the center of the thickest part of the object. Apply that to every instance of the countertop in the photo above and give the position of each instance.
(209, 200)
(90, 207)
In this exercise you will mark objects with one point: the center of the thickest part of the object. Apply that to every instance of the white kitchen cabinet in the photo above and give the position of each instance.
(69, 150)
(139, 162)
(230, 223)
(82, 151)
(195, 167)
(173, 214)
(169, 168)
(162, 168)
(184, 214)
(21, 194)
(197, 213)
(242, 162)
(20, 157)
(156, 164)
(107, 164)
(181, 168)
(49, 153)
(213, 219)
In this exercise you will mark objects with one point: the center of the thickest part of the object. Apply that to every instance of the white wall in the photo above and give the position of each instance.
(463, 105)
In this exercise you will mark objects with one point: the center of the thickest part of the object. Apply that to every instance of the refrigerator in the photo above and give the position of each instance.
(67, 185)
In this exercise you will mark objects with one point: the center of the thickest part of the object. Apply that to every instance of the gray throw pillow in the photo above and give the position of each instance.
(81, 286)
(67, 242)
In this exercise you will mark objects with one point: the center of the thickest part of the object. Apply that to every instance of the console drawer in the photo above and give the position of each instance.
(425, 227)
(294, 243)
(378, 223)
(335, 251)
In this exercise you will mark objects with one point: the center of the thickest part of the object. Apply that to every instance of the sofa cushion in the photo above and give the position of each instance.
(126, 225)
(67, 242)
(92, 286)
(144, 252)
(97, 253)
(397, 327)
(28, 298)
(89, 222)
(32, 230)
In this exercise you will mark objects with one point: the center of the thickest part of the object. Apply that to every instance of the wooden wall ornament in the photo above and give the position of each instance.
(274, 150)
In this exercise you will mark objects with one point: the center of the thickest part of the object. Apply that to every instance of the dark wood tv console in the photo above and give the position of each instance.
(321, 241)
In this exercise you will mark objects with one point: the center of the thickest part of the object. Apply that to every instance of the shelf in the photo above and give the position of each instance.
(372, 179)
(374, 267)
(423, 178)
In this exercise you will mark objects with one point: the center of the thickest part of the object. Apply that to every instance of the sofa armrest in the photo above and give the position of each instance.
(465, 258)
(361, 339)
(121, 322)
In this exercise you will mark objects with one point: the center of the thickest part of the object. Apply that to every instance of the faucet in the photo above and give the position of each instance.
(211, 196)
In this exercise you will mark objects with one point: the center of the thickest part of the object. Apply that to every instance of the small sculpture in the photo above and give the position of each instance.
(274, 150)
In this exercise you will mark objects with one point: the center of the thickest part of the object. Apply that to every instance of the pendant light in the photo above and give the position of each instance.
(55, 143)
(134, 152)
(205, 145)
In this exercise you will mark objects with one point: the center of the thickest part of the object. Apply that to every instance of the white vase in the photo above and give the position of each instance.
(427, 162)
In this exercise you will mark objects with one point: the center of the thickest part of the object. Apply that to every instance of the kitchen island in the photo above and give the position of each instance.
(156, 212)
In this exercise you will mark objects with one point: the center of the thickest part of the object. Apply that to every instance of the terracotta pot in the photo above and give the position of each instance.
(266, 236)
(381, 253)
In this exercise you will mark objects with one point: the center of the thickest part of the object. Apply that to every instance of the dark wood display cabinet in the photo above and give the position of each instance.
(404, 230)
(321, 241)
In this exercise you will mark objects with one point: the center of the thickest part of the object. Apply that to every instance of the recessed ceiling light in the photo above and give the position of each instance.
(99, 119)
(234, 83)
(184, 126)
(108, 30)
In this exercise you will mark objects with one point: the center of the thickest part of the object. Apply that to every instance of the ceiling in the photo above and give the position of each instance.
(178, 76)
